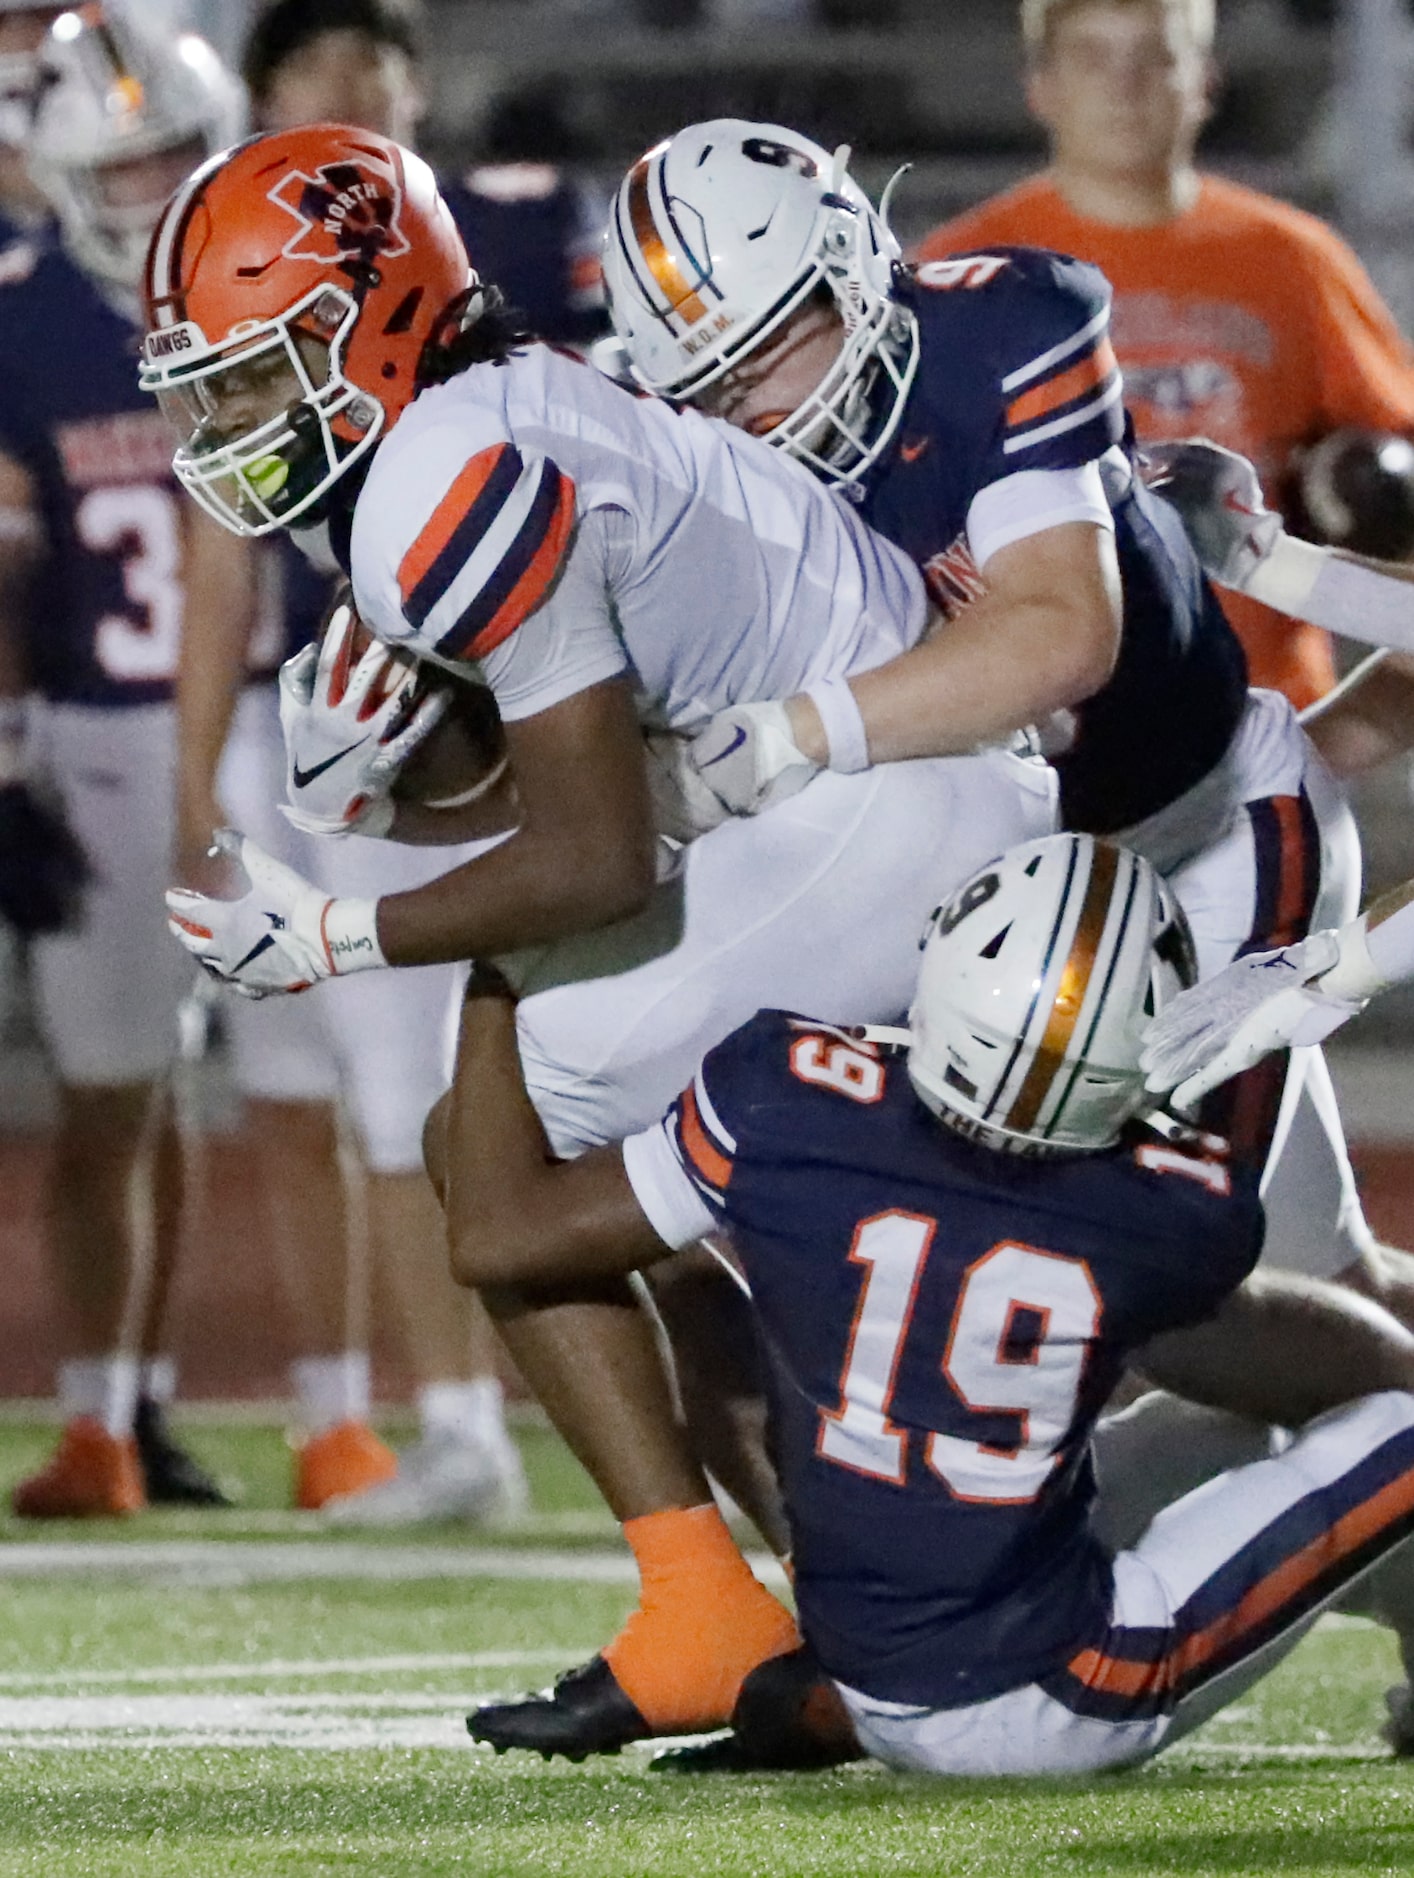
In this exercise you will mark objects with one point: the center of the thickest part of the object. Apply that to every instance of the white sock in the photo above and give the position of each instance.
(158, 1379)
(469, 1411)
(103, 1387)
(332, 1389)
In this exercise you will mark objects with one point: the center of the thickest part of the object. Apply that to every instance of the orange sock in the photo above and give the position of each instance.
(702, 1625)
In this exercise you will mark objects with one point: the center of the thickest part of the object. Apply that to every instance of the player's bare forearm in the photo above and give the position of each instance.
(1368, 718)
(515, 1217)
(583, 855)
(220, 583)
(495, 812)
(1283, 1349)
(1044, 637)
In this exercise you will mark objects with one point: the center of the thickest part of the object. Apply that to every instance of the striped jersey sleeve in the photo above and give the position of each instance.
(456, 543)
(1034, 360)
(681, 1169)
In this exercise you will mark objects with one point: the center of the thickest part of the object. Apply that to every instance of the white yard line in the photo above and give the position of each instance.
(229, 1562)
(280, 1669)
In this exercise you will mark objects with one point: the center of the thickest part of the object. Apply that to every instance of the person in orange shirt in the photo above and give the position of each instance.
(1235, 316)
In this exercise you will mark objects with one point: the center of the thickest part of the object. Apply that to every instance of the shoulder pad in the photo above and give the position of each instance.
(458, 534)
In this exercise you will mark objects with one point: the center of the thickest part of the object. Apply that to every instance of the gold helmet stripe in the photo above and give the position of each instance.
(1075, 977)
(662, 263)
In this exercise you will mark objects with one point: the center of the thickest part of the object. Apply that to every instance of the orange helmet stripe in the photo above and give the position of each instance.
(1070, 994)
(682, 299)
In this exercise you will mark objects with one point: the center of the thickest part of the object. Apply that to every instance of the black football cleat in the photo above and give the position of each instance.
(788, 1719)
(172, 1476)
(585, 1713)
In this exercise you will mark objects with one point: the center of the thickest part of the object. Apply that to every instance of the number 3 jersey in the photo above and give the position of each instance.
(1016, 424)
(105, 609)
(943, 1324)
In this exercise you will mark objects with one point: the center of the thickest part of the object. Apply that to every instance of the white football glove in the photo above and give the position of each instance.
(281, 934)
(349, 731)
(748, 758)
(683, 806)
(1220, 502)
(1264, 1002)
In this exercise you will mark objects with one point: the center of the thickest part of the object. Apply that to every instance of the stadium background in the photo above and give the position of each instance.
(1316, 103)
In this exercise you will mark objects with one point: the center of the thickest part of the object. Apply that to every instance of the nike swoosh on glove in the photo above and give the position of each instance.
(1267, 1001)
(282, 934)
(748, 758)
(1219, 500)
(348, 731)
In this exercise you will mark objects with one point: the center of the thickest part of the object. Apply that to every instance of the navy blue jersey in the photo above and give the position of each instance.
(944, 1324)
(106, 615)
(1016, 373)
(529, 229)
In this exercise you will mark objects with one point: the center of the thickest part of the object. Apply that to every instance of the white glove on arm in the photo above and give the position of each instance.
(282, 934)
(1267, 1001)
(748, 759)
(348, 731)
(1220, 503)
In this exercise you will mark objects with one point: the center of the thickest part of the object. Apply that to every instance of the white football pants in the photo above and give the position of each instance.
(816, 906)
(1219, 1588)
(1279, 856)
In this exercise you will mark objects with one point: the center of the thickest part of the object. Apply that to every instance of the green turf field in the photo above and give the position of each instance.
(244, 1694)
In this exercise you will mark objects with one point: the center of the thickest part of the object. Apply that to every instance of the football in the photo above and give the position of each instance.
(463, 749)
(461, 752)
(1355, 490)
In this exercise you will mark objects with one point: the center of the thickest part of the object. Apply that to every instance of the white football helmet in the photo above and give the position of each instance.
(113, 91)
(1038, 979)
(717, 236)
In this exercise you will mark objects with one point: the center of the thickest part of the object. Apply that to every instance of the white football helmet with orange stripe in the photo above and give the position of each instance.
(718, 235)
(1038, 979)
(122, 113)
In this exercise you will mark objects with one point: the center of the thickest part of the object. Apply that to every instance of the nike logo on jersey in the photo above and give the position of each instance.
(913, 448)
(737, 741)
(304, 777)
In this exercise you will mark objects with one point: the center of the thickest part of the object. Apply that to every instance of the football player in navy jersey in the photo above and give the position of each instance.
(98, 563)
(945, 1303)
(973, 407)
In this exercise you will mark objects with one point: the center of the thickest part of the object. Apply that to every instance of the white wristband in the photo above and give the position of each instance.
(1355, 977)
(845, 735)
(1285, 578)
(348, 932)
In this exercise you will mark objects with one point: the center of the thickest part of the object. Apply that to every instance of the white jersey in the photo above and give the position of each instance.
(537, 521)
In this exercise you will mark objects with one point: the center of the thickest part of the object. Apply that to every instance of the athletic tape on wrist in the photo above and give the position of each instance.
(845, 735)
(1285, 579)
(1355, 976)
(348, 931)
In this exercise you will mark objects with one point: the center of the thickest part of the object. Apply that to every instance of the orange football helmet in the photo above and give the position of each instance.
(291, 286)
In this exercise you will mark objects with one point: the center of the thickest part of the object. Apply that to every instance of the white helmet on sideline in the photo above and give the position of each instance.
(1038, 979)
(112, 92)
(717, 236)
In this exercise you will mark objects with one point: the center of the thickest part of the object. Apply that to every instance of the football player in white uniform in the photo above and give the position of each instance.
(603, 562)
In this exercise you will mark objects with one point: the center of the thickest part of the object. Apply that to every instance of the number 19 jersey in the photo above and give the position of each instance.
(943, 1324)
